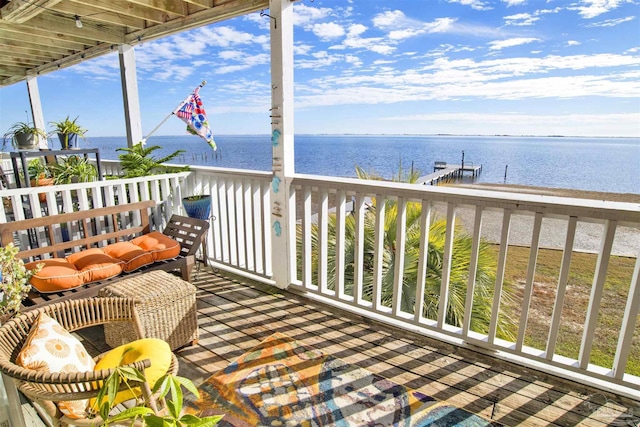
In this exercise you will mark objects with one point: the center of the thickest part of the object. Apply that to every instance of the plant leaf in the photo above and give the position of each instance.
(130, 414)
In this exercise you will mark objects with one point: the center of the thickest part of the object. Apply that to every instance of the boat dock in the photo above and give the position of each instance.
(442, 171)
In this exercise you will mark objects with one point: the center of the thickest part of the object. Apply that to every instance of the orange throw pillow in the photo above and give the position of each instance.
(159, 245)
(132, 256)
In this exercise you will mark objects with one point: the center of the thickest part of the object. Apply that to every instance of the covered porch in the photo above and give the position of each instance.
(305, 266)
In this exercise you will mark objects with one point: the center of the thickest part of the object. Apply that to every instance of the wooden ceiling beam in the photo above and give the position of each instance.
(89, 13)
(30, 53)
(19, 62)
(202, 3)
(126, 8)
(54, 41)
(6, 41)
(10, 71)
(20, 11)
(177, 7)
(90, 31)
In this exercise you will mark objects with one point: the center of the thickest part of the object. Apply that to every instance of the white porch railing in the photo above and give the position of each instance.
(330, 248)
(239, 241)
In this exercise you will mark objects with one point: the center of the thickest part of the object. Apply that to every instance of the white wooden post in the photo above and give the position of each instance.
(129, 80)
(282, 215)
(36, 109)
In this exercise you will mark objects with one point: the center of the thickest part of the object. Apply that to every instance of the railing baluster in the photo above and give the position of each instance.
(562, 288)
(443, 301)
(528, 288)
(233, 232)
(628, 327)
(398, 272)
(323, 243)
(381, 207)
(248, 226)
(425, 225)
(502, 262)
(340, 245)
(265, 202)
(307, 267)
(358, 256)
(604, 255)
(238, 203)
(473, 270)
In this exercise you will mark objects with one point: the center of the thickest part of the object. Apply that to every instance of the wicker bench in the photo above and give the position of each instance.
(189, 232)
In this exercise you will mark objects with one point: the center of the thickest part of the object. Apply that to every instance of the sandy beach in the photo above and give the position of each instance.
(553, 234)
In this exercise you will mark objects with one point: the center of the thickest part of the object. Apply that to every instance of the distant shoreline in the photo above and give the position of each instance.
(396, 134)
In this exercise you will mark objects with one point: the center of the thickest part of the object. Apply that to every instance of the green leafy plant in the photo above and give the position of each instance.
(65, 129)
(21, 131)
(68, 126)
(170, 415)
(14, 280)
(73, 169)
(36, 169)
(139, 161)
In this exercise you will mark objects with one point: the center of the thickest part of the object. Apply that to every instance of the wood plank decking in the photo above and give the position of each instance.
(234, 315)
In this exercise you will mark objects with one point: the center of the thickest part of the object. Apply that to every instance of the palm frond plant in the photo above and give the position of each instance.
(139, 161)
(485, 276)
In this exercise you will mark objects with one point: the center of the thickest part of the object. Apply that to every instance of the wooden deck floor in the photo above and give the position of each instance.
(235, 315)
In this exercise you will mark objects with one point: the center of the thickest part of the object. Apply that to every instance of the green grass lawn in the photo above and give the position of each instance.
(576, 303)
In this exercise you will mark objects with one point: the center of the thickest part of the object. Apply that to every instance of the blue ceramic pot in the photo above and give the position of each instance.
(199, 208)
(68, 141)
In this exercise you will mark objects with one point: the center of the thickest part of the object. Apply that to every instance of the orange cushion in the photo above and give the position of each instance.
(133, 256)
(56, 274)
(159, 245)
(59, 274)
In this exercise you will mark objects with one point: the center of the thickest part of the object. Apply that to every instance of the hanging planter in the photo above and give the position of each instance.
(197, 206)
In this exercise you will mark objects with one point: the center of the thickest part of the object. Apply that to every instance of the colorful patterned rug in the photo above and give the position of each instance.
(283, 383)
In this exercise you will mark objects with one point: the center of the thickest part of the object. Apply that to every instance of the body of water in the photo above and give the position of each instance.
(597, 164)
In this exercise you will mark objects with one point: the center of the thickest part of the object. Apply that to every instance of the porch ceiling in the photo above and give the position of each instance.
(39, 36)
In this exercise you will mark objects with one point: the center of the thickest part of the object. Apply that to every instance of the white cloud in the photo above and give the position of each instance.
(304, 15)
(591, 8)
(524, 19)
(520, 19)
(527, 124)
(465, 79)
(475, 4)
(328, 31)
(514, 2)
(501, 44)
(611, 22)
(573, 43)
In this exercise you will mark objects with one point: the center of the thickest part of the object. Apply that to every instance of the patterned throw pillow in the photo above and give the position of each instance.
(51, 348)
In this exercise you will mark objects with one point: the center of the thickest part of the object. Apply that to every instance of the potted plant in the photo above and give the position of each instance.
(39, 176)
(68, 132)
(14, 282)
(197, 206)
(23, 136)
(73, 169)
(172, 411)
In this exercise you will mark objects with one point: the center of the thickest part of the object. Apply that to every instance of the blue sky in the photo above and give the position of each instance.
(520, 67)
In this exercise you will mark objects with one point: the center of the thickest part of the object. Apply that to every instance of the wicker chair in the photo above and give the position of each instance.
(45, 388)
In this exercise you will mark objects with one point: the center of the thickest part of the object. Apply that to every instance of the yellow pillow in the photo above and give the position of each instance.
(51, 348)
(154, 349)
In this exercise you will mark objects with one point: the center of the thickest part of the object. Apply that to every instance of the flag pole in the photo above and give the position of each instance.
(144, 140)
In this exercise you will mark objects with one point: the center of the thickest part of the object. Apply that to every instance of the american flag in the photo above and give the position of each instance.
(191, 111)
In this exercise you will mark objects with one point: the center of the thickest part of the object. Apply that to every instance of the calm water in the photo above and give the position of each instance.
(599, 164)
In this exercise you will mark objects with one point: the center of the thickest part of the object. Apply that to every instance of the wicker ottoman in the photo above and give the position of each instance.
(167, 309)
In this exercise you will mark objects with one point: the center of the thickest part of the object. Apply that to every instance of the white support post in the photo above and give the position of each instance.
(36, 109)
(129, 80)
(282, 213)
